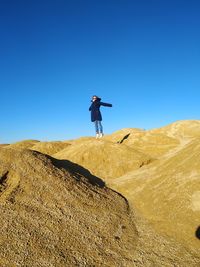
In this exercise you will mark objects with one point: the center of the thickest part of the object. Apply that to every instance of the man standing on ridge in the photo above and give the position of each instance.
(96, 114)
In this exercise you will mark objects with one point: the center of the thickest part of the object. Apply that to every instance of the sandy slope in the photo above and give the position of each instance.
(53, 216)
(152, 143)
(167, 192)
(50, 148)
(55, 213)
(103, 158)
(180, 130)
(23, 144)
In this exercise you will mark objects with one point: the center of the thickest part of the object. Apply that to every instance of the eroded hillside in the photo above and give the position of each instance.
(103, 158)
(168, 192)
(59, 212)
(53, 215)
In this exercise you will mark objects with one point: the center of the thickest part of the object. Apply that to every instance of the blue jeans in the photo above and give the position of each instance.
(98, 126)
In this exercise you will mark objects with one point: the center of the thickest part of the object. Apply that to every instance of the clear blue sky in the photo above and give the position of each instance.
(143, 56)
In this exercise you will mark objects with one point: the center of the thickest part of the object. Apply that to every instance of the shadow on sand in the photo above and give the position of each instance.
(197, 233)
(78, 171)
(124, 138)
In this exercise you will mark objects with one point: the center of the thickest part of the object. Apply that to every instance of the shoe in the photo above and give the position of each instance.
(97, 136)
(101, 135)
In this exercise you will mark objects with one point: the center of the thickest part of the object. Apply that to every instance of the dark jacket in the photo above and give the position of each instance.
(95, 109)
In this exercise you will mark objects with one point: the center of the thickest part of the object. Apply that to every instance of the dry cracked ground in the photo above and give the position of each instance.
(131, 198)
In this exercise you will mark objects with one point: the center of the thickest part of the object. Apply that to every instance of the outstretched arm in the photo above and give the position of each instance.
(105, 104)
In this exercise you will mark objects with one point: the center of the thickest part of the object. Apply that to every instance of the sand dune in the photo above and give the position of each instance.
(53, 216)
(50, 148)
(185, 129)
(167, 192)
(103, 158)
(59, 212)
(23, 144)
(154, 144)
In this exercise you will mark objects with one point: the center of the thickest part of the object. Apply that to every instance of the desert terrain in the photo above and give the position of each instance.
(131, 198)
